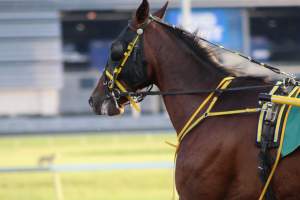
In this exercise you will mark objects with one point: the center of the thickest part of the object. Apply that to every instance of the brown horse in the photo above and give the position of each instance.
(218, 159)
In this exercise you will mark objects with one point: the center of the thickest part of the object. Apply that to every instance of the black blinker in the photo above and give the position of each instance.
(117, 51)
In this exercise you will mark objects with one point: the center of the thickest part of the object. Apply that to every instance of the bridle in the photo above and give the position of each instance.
(114, 89)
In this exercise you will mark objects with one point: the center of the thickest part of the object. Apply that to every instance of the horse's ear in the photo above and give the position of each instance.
(142, 12)
(161, 12)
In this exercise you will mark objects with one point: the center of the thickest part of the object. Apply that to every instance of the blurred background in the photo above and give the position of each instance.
(52, 53)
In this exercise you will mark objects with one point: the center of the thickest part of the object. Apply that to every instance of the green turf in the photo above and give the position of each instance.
(106, 185)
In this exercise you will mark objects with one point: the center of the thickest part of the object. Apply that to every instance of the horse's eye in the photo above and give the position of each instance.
(117, 51)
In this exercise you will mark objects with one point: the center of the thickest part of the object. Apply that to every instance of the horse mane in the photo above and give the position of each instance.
(225, 62)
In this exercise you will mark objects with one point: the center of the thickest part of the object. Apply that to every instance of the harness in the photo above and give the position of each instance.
(115, 90)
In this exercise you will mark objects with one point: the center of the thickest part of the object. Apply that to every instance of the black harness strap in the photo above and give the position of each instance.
(191, 92)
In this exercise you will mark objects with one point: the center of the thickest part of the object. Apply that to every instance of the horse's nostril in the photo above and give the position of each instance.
(91, 102)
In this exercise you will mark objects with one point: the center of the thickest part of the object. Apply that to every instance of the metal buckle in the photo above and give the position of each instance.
(271, 112)
(111, 85)
(117, 93)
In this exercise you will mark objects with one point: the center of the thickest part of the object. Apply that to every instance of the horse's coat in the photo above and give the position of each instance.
(218, 159)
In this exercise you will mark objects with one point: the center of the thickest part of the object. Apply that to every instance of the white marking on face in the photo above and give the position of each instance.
(104, 107)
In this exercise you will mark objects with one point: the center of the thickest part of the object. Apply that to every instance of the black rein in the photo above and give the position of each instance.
(189, 92)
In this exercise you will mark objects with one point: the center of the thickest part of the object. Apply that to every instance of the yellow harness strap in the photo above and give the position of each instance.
(233, 112)
(185, 130)
(122, 89)
(127, 54)
(193, 122)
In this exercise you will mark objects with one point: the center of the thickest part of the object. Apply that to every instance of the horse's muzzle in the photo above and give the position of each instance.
(91, 102)
(105, 107)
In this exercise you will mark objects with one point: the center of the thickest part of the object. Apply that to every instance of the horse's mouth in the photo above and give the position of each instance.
(108, 108)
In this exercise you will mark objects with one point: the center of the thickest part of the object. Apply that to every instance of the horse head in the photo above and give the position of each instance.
(129, 64)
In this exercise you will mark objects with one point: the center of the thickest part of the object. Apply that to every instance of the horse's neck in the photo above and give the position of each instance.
(177, 69)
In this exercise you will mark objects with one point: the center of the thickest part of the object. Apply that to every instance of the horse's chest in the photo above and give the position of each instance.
(206, 163)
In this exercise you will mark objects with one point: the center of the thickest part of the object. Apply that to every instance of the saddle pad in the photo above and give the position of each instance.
(292, 132)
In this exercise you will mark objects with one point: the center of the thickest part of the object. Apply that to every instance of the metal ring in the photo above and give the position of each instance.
(111, 84)
(117, 94)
